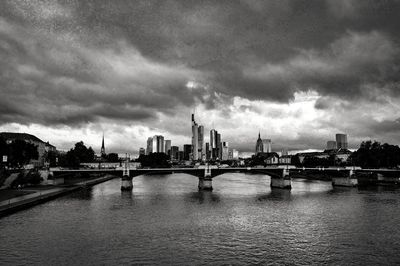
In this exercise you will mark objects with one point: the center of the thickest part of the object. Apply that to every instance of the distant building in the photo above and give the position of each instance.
(167, 148)
(272, 159)
(331, 145)
(181, 155)
(208, 152)
(235, 154)
(160, 144)
(263, 145)
(195, 140)
(42, 147)
(187, 150)
(285, 159)
(149, 145)
(266, 145)
(155, 144)
(320, 155)
(218, 151)
(200, 135)
(213, 144)
(343, 155)
(225, 153)
(142, 151)
(341, 141)
(174, 153)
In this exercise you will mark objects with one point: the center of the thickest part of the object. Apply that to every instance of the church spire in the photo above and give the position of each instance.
(103, 149)
(259, 135)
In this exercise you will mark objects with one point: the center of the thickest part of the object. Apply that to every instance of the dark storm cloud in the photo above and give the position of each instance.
(70, 62)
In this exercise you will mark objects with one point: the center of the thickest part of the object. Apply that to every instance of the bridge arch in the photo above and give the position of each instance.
(269, 172)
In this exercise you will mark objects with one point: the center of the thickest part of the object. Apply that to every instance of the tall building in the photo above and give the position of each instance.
(149, 146)
(341, 141)
(200, 142)
(224, 151)
(267, 145)
(208, 152)
(142, 151)
(160, 143)
(155, 144)
(235, 154)
(167, 147)
(263, 145)
(331, 145)
(218, 151)
(195, 139)
(174, 153)
(213, 144)
(103, 149)
(187, 150)
(181, 154)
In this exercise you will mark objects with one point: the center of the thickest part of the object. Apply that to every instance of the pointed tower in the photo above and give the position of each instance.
(103, 149)
(259, 144)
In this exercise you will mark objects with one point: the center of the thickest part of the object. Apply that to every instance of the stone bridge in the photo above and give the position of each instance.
(280, 177)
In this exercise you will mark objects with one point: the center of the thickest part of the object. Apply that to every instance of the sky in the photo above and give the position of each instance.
(297, 71)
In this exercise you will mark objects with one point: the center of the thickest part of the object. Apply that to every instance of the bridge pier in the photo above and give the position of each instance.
(282, 182)
(347, 181)
(126, 183)
(126, 180)
(205, 183)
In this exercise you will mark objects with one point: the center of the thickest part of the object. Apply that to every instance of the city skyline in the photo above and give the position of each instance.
(72, 70)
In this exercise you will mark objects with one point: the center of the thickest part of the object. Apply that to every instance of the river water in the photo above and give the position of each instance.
(165, 221)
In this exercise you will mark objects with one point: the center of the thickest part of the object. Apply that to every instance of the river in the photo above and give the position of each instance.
(165, 221)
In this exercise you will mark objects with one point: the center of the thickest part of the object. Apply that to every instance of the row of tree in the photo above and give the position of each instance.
(77, 155)
(376, 155)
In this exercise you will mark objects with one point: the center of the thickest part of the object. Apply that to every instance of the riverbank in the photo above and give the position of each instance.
(42, 195)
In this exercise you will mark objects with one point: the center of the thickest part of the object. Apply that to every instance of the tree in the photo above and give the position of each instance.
(50, 157)
(112, 157)
(21, 152)
(374, 155)
(3, 147)
(79, 154)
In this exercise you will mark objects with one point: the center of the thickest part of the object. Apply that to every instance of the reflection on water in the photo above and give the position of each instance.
(203, 197)
(165, 220)
(276, 194)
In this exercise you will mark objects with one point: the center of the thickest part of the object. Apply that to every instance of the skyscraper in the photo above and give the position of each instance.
(174, 153)
(213, 144)
(167, 147)
(341, 141)
(200, 142)
(155, 144)
(224, 151)
(208, 152)
(195, 140)
(331, 145)
(160, 143)
(219, 147)
(187, 150)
